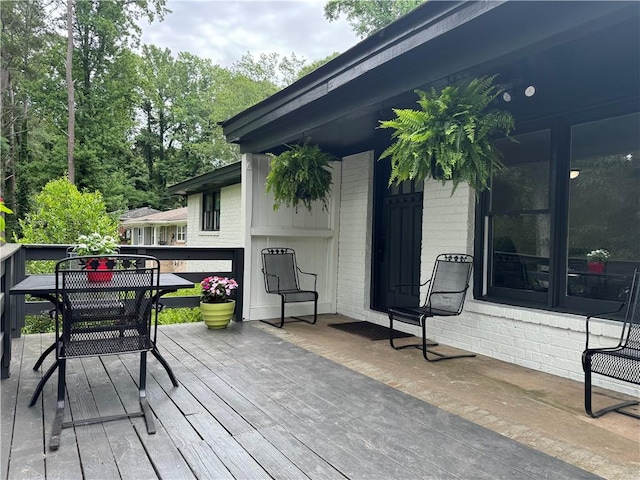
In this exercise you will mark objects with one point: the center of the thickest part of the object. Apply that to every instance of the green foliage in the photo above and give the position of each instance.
(62, 213)
(367, 16)
(142, 121)
(38, 324)
(3, 210)
(179, 315)
(307, 69)
(450, 137)
(95, 244)
(300, 174)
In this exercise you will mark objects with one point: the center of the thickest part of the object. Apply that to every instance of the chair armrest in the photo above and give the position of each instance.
(272, 275)
(395, 287)
(315, 278)
(622, 304)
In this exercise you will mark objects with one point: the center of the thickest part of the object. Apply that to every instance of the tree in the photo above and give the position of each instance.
(367, 16)
(307, 69)
(63, 213)
(23, 39)
(70, 94)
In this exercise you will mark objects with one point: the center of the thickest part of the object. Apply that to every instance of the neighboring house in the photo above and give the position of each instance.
(215, 219)
(129, 215)
(161, 228)
(570, 185)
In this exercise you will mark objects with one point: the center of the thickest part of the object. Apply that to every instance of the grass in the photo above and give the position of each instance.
(45, 324)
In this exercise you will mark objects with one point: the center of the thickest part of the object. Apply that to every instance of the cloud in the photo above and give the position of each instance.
(225, 30)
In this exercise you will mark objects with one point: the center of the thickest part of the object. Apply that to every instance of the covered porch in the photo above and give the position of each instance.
(309, 402)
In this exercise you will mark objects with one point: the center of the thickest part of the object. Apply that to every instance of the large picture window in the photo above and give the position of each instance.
(604, 208)
(211, 211)
(565, 193)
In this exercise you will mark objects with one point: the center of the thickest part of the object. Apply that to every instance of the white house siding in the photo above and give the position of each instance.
(312, 235)
(545, 341)
(354, 261)
(231, 232)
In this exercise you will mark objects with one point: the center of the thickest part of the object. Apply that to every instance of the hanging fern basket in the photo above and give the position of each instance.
(450, 138)
(300, 175)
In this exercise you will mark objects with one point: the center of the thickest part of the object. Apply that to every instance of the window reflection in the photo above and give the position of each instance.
(520, 221)
(604, 207)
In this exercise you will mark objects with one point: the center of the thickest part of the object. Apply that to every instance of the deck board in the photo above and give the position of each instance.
(250, 405)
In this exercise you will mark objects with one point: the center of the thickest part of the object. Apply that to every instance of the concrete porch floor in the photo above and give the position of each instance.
(540, 410)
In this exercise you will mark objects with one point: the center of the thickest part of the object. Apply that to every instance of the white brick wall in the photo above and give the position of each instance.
(545, 341)
(231, 232)
(354, 245)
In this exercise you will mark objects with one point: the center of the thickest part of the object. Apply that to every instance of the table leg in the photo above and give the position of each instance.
(44, 355)
(166, 366)
(41, 383)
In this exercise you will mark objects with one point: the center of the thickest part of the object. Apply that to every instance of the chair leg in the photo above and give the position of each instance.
(439, 356)
(144, 404)
(299, 319)
(56, 430)
(419, 346)
(613, 408)
(278, 325)
(315, 310)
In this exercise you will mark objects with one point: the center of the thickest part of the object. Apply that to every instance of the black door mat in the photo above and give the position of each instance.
(368, 330)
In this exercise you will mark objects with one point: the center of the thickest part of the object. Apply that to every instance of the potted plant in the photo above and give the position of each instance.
(97, 246)
(216, 302)
(300, 174)
(596, 260)
(450, 138)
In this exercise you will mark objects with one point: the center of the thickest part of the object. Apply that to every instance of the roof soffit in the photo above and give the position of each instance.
(481, 40)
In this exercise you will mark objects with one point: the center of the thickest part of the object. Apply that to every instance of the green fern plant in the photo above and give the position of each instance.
(451, 137)
(300, 175)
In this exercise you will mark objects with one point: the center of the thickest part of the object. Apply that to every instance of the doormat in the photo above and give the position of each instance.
(368, 330)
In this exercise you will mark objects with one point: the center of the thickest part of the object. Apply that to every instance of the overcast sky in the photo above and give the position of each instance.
(224, 30)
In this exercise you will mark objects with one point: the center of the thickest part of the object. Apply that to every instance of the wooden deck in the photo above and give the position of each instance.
(250, 406)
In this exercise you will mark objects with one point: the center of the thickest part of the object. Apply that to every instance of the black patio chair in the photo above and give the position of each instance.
(74, 262)
(447, 290)
(281, 278)
(107, 317)
(621, 361)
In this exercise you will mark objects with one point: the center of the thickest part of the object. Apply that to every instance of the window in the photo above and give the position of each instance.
(140, 236)
(164, 234)
(564, 193)
(519, 218)
(604, 207)
(181, 233)
(211, 211)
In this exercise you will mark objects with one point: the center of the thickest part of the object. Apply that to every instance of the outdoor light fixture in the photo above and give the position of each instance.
(506, 96)
(530, 91)
(574, 173)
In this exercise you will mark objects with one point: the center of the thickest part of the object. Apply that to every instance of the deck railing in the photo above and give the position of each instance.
(13, 269)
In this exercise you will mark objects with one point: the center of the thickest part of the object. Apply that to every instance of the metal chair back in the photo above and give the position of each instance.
(280, 270)
(110, 315)
(449, 284)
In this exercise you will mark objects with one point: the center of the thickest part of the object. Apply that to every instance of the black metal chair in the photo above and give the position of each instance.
(622, 361)
(280, 272)
(447, 290)
(109, 315)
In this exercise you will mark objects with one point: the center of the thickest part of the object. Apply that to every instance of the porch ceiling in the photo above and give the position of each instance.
(339, 105)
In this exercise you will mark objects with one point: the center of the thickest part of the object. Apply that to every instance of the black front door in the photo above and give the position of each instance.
(397, 241)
